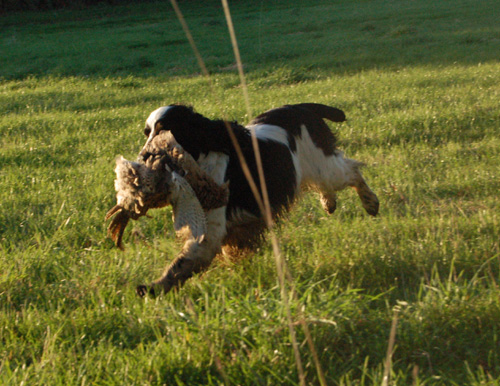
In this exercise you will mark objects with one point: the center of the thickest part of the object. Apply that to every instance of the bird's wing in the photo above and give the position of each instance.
(187, 209)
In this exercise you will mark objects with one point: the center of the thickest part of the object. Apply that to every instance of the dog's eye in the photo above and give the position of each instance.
(147, 131)
(159, 126)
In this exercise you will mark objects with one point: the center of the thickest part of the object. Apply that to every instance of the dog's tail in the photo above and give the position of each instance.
(331, 113)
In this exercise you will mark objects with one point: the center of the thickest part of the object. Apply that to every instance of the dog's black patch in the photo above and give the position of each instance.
(198, 134)
(310, 115)
(279, 173)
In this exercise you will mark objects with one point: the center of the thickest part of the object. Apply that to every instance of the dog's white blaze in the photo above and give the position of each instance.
(155, 116)
(333, 172)
(151, 122)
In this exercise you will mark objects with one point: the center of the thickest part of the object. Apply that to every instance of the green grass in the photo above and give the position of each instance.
(419, 82)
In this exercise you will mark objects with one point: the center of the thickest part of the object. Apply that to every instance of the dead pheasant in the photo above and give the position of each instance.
(166, 175)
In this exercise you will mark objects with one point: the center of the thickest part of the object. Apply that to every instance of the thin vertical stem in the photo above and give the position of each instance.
(262, 201)
(390, 350)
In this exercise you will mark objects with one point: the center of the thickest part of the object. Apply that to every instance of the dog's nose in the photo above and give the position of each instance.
(144, 155)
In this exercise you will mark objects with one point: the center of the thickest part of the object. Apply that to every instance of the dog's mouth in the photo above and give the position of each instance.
(159, 149)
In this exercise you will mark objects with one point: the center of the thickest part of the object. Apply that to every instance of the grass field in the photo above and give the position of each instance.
(420, 84)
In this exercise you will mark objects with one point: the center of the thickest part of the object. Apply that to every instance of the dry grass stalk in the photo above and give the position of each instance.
(263, 201)
(390, 349)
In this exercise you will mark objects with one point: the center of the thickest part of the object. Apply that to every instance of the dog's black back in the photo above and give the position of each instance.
(200, 135)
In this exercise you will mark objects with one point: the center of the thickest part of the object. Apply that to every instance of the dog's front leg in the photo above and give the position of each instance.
(194, 258)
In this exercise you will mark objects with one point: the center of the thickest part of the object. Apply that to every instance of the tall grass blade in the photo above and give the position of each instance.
(189, 36)
(282, 269)
(390, 350)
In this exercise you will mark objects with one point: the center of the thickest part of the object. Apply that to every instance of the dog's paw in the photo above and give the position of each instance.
(329, 203)
(371, 206)
(143, 290)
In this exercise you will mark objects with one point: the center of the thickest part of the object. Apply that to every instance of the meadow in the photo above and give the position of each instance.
(420, 84)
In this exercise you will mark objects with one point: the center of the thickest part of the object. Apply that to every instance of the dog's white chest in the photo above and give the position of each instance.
(215, 165)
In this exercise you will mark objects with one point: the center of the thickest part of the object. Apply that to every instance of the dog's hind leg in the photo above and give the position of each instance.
(337, 174)
(368, 199)
(328, 201)
(355, 179)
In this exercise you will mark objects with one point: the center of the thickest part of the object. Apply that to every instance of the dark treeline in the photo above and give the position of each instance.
(41, 5)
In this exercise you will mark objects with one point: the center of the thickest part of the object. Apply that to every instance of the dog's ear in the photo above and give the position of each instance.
(194, 132)
(212, 135)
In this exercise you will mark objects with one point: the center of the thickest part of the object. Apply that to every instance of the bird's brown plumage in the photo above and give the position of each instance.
(168, 175)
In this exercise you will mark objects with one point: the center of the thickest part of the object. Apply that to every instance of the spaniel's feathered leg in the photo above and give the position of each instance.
(368, 199)
(194, 258)
(343, 172)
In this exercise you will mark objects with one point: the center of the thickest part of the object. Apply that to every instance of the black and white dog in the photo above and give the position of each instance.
(297, 149)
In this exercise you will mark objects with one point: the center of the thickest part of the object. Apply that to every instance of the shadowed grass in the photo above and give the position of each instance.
(147, 39)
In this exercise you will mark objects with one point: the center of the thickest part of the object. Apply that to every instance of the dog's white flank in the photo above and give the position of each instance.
(297, 150)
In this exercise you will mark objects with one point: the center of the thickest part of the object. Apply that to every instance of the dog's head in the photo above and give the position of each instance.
(194, 132)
